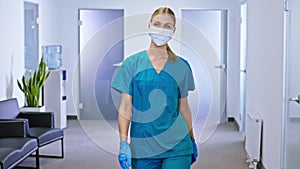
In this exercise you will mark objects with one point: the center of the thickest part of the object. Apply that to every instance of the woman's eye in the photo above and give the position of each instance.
(156, 24)
(168, 27)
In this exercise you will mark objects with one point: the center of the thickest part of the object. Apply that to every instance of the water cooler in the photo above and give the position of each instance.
(55, 98)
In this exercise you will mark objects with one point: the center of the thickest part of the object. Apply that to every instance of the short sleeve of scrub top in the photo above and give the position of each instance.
(158, 129)
(188, 81)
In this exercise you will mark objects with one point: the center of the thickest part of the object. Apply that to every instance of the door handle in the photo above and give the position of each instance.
(295, 99)
(222, 66)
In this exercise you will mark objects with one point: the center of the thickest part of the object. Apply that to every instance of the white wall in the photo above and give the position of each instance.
(265, 73)
(68, 33)
(12, 48)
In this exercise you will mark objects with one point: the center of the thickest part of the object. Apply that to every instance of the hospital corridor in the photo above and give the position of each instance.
(200, 84)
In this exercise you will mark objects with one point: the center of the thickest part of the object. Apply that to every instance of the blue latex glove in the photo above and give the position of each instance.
(195, 154)
(124, 155)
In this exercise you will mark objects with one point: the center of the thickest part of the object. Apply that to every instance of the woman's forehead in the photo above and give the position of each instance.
(163, 18)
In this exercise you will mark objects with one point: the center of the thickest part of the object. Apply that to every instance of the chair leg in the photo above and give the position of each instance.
(53, 156)
(62, 148)
(37, 159)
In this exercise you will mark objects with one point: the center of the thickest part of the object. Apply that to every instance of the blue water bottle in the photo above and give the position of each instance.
(52, 55)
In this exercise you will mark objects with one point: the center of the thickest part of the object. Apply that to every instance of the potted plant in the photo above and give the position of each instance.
(31, 87)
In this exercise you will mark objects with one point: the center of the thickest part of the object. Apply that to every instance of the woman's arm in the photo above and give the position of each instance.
(124, 116)
(185, 110)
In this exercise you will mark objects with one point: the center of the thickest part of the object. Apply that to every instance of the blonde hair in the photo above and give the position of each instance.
(172, 57)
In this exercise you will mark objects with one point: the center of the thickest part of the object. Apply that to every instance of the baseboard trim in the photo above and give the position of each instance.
(71, 117)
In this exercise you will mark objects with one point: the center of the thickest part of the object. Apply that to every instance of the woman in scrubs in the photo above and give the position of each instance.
(154, 84)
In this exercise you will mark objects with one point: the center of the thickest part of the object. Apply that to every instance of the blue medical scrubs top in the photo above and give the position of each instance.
(158, 130)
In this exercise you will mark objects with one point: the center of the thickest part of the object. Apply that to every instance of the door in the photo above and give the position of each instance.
(243, 72)
(31, 30)
(291, 137)
(204, 43)
(101, 47)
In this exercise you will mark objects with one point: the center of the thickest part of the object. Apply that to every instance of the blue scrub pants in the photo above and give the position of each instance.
(182, 162)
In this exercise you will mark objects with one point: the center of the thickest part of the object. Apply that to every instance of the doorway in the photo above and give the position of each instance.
(101, 46)
(291, 112)
(243, 71)
(204, 36)
(31, 32)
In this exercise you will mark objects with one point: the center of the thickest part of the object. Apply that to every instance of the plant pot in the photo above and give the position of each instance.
(32, 109)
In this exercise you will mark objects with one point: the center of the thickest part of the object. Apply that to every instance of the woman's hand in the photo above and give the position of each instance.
(124, 155)
(123, 124)
(195, 153)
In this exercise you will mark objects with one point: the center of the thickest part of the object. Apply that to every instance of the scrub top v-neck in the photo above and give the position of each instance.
(157, 71)
(158, 129)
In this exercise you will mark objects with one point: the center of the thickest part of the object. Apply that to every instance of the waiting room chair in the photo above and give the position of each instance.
(41, 124)
(15, 145)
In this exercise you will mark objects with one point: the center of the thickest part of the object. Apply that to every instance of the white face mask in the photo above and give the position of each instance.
(160, 36)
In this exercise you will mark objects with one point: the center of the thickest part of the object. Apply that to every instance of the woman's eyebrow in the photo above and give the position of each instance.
(167, 23)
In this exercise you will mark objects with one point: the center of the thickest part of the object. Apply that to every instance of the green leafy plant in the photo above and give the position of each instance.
(32, 86)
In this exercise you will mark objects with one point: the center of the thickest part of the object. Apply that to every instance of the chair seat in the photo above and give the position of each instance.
(14, 150)
(9, 156)
(46, 135)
